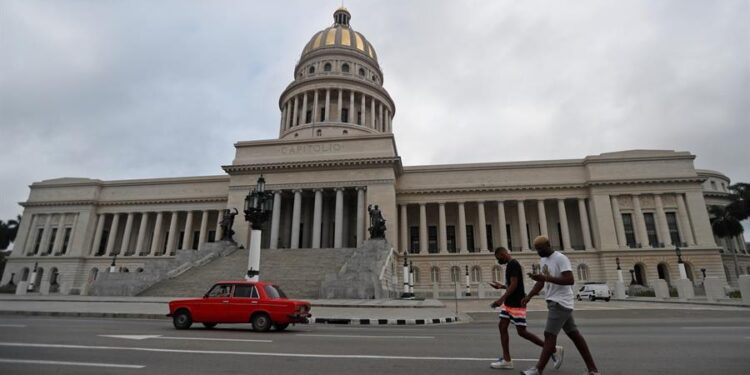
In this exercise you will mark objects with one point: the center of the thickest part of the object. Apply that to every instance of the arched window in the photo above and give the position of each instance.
(345, 68)
(327, 67)
(689, 271)
(139, 269)
(345, 132)
(583, 272)
(476, 274)
(319, 132)
(311, 70)
(416, 274)
(435, 274)
(25, 274)
(640, 274)
(497, 274)
(663, 270)
(361, 72)
(455, 274)
(375, 78)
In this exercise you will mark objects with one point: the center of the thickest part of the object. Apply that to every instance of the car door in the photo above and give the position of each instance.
(244, 302)
(214, 305)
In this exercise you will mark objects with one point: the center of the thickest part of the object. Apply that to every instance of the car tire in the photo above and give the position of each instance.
(607, 299)
(261, 322)
(209, 325)
(579, 298)
(281, 327)
(592, 298)
(182, 319)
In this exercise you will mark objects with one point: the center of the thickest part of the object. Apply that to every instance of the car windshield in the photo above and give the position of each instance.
(274, 292)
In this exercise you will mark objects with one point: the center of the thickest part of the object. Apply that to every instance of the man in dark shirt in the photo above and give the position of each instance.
(513, 311)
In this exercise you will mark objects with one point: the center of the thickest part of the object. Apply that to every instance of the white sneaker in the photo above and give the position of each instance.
(502, 364)
(531, 371)
(557, 357)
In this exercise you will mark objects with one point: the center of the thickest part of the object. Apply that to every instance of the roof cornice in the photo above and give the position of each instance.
(319, 164)
(133, 202)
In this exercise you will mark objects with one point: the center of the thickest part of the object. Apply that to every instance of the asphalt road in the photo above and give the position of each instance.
(622, 341)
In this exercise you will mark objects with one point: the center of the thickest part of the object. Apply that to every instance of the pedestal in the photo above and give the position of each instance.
(744, 282)
(253, 258)
(683, 272)
(22, 288)
(661, 289)
(44, 287)
(714, 289)
(620, 290)
(685, 289)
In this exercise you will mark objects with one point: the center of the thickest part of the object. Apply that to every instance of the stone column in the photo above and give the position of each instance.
(696, 205)
(204, 229)
(462, 228)
(542, 217)
(126, 235)
(101, 218)
(28, 245)
(275, 221)
(46, 235)
(619, 226)
(522, 226)
(219, 229)
(315, 108)
(139, 250)
(341, 95)
(187, 236)
(482, 227)
(423, 228)
(686, 229)
(661, 218)
(352, 113)
(380, 116)
(294, 111)
(585, 229)
(640, 224)
(296, 216)
(564, 224)
(404, 227)
(303, 115)
(328, 105)
(338, 229)
(501, 222)
(287, 116)
(60, 235)
(442, 231)
(372, 113)
(157, 234)
(172, 238)
(360, 215)
(112, 234)
(363, 107)
(317, 218)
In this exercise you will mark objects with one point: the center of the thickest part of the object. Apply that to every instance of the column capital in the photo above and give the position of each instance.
(361, 188)
(339, 189)
(295, 191)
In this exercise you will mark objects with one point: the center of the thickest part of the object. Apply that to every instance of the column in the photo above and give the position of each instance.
(172, 238)
(294, 111)
(341, 95)
(685, 229)
(139, 250)
(187, 236)
(338, 229)
(404, 227)
(372, 112)
(60, 235)
(661, 217)
(563, 224)
(281, 122)
(288, 116)
(360, 215)
(502, 224)
(482, 227)
(303, 115)
(30, 235)
(640, 224)
(97, 236)
(585, 229)
(352, 112)
(462, 228)
(524, 233)
(362, 109)
(423, 228)
(112, 234)
(219, 230)
(204, 229)
(328, 105)
(46, 235)
(317, 218)
(542, 217)
(619, 226)
(126, 235)
(386, 126)
(442, 231)
(296, 213)
(315, 108)
(380, 116)
(157, 234)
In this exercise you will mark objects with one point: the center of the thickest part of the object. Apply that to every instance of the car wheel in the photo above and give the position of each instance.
(209, 325)
(261, 322)
(592, 298)
(182, 320)
(579, 298)
(607, 299)
(281, 327)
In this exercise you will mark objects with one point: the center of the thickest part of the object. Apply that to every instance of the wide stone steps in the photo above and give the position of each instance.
(299, 272)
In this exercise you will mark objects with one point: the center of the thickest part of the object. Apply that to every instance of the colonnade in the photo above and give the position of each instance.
(354, 107)
(50, 239)
(637, 227)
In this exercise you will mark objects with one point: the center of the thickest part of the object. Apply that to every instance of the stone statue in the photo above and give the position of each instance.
(227, 222)
(377, 223)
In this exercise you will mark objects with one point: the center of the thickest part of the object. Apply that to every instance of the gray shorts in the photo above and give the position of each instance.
(558, 318)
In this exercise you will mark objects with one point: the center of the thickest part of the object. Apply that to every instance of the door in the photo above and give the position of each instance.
(243, 304)
(214, 306)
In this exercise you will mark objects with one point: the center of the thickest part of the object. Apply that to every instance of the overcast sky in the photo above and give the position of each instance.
(141, 89)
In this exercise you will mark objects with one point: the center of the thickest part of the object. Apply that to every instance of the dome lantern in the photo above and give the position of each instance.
(342, 16)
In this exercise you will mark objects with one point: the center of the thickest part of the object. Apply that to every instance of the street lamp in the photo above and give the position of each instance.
(703, 271)
(632, 277)
(406, 293)
(680, 263)
(258, 206)
(468, 284)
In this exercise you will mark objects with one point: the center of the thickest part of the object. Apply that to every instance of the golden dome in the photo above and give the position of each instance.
(340, 35)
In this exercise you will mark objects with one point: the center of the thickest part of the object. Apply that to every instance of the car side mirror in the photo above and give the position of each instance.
(205, 296)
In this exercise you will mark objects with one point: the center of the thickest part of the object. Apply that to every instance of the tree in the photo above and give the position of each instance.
(8, 232)
(740, 205)
(725, 224)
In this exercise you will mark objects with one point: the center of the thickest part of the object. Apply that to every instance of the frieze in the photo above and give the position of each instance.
(625, 201)
(125, 202)
(312, 186)
(341, 163)
(647, 201)
(669, 200)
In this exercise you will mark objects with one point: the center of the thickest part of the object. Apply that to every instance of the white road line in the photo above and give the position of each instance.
(13, 325)
(366, 336)
(61, 363)
(708, 328)
(257, 354)
(159, 337)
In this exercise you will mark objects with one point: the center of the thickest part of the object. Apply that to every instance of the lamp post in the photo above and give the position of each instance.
(258, 207)
(32, 278)
(411, 279)
(703, 271)
(468, 285)
(113, 265)
(406, 293)
(680, 263)
(620, 284)
(632, 277)
(619, 270)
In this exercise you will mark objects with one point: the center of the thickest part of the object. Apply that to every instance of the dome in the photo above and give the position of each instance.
(340, 35)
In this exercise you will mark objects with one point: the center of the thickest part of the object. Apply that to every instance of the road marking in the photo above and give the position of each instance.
(714, 328)
(257, 354)
(13, 325)
(159, 337)
(367, 336)
(61, 363)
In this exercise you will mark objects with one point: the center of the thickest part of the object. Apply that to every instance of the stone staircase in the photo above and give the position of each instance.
(299, 272)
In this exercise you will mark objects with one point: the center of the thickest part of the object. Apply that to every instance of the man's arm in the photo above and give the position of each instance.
(534, 291)
(566, 278)
(508, 291)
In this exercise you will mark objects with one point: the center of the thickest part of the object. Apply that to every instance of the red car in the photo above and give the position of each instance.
(262, 304)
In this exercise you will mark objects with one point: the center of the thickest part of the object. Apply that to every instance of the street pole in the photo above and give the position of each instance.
(468, 285)
(680, 263)
(32, 279)
(258, 207)
(406, 277)
(411, 280)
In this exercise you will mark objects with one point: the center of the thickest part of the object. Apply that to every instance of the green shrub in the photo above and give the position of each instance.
(734, 294)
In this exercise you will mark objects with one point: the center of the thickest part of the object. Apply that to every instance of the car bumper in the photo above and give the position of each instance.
(299, 318)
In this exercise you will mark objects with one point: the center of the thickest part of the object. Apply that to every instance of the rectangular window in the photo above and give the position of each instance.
(432, 240)
(490, 244)
(451, 238)
(559, 235)
(38, 240)
(103, 244)
(308, 117)
(508, 233)
(344, 114)
(52, 238)
(528, 235)
(322, 114)
(648, 219)
(166, 241)
(359, 117)
(470, 238)
(212, 236)
(674, 231)
(414, 240)
(245, 291)
(196, 238)
(66, 240)
(179, 240)
(627, 223)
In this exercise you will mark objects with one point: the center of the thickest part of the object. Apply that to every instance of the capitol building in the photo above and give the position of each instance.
(336, 154)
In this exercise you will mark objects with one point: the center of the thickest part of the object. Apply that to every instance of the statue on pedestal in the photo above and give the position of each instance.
(377, 223)
(227, 222)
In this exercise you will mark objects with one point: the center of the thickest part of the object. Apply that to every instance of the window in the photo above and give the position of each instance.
(455, 274)
(179, 240)
(583, 272)
(66, 240)
(274, 292)
(345, 68)
(344, 114)
(319, 132)
(211, 236)
(627, 223)
(451, 238)
(490, 244)
(196, 238)
(322, 114)
(361, 72)
(713, 185)
(476, 274)
(327, 67)
(375, 78)
(220, 290)
(674, 231)
(414, 240)
(497, 274)
(359, 117)
(653, 239)
(52, 238)
(103, 245)
(559, 235)
(508, 233)
(311, 70)
(416, 274)
(344, 132)
(432, 242)
(470, 238)
(308, 117)
(38, 240)
(245, 291)
(435, 275)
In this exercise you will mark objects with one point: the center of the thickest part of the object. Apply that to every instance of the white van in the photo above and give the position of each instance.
(594, 291)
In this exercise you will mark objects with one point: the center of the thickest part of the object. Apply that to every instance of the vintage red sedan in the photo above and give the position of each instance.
(262, 304)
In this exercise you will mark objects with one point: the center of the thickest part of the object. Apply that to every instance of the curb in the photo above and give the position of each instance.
(694, 303)
(375, 322)
(85, 314)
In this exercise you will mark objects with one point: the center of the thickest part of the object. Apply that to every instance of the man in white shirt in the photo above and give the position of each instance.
(557, 279)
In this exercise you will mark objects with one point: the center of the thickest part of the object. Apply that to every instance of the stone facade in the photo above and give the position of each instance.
(336, 154)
